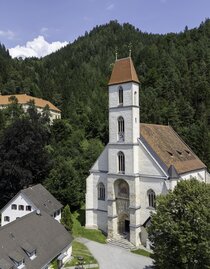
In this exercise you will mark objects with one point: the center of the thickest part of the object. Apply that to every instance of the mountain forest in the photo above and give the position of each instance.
(174, 74)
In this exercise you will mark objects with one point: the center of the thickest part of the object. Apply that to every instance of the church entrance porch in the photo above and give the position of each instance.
(122, 207)
(123, 224)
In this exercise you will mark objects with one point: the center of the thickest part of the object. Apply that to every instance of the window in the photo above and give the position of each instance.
(170, 153)
(135, 98)
(14, 207)
(21, 207)
(101, 191)
(151, 198)
(19, 264)
(121, 162)
(120, 92)
(121, 129)
(7, 218)
(32, 254)
(28, 208)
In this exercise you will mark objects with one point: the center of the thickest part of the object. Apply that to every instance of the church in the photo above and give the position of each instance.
(140, 162)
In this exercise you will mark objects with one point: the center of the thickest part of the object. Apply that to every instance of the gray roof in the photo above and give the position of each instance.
(4, 264)
(42, 198)
(45, 234)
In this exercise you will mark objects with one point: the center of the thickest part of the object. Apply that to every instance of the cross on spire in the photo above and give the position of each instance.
(116, 53)
(130, 49)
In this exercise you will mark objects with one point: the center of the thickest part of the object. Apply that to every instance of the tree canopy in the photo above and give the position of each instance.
(174, 72)
(180, 229)
(24, 159)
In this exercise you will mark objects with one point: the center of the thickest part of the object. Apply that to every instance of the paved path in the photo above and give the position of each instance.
(112, 257)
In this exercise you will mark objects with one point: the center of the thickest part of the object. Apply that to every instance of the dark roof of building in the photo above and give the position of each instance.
(24, 99)
(45, 234)
(123, 71)
(170, 148)
(42, 198)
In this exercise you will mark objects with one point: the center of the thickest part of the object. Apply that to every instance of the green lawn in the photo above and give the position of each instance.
(80, 231)
(80, 250)
(142, 252)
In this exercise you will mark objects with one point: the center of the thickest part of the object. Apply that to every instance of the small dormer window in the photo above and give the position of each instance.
(187, 151)
(17, 259)
(31, 255)
(170, 153)
(120, 93)
(179, 152)
(29, 250)
(19, 264)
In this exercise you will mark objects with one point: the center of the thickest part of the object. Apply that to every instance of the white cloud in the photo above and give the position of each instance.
(8, 34)
(110, 7)
(38, 47)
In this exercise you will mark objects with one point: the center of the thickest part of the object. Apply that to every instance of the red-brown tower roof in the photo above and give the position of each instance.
(123, 71)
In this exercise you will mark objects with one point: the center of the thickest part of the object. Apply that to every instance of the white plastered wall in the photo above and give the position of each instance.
(13, 214)
(96, 210)
(158, 185)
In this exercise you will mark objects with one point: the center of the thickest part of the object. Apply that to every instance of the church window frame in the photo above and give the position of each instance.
(120, 95)
(151, 198)
(135, 98)
(121, 129)
(101, 191)
(121, 162)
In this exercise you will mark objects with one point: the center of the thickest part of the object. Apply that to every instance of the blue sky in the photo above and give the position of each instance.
(64, 20)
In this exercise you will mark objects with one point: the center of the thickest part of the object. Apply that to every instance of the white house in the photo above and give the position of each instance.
(28, 200)
(24, 99)
(140, 161)
(33, 242)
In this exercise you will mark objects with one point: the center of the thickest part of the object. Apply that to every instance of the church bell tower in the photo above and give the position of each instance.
(123, 151)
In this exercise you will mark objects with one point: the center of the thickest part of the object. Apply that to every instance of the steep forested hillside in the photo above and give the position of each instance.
(174, 71)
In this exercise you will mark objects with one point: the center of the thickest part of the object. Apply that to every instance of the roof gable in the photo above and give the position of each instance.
(170, 148)
(123, 71)
(23, 99)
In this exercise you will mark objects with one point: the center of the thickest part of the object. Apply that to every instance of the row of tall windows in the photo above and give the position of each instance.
(20, 207)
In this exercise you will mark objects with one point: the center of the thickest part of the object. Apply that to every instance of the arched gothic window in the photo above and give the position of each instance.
(135, 98)
(120, 92)
(121, 162)
(101, 191)
(151, 198)
(121, 128)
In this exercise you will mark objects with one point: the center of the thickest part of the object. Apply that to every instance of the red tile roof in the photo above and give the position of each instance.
(123, 71)
(170, 148)
(24, 99)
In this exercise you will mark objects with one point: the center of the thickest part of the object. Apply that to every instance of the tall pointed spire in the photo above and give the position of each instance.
(123, 72)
